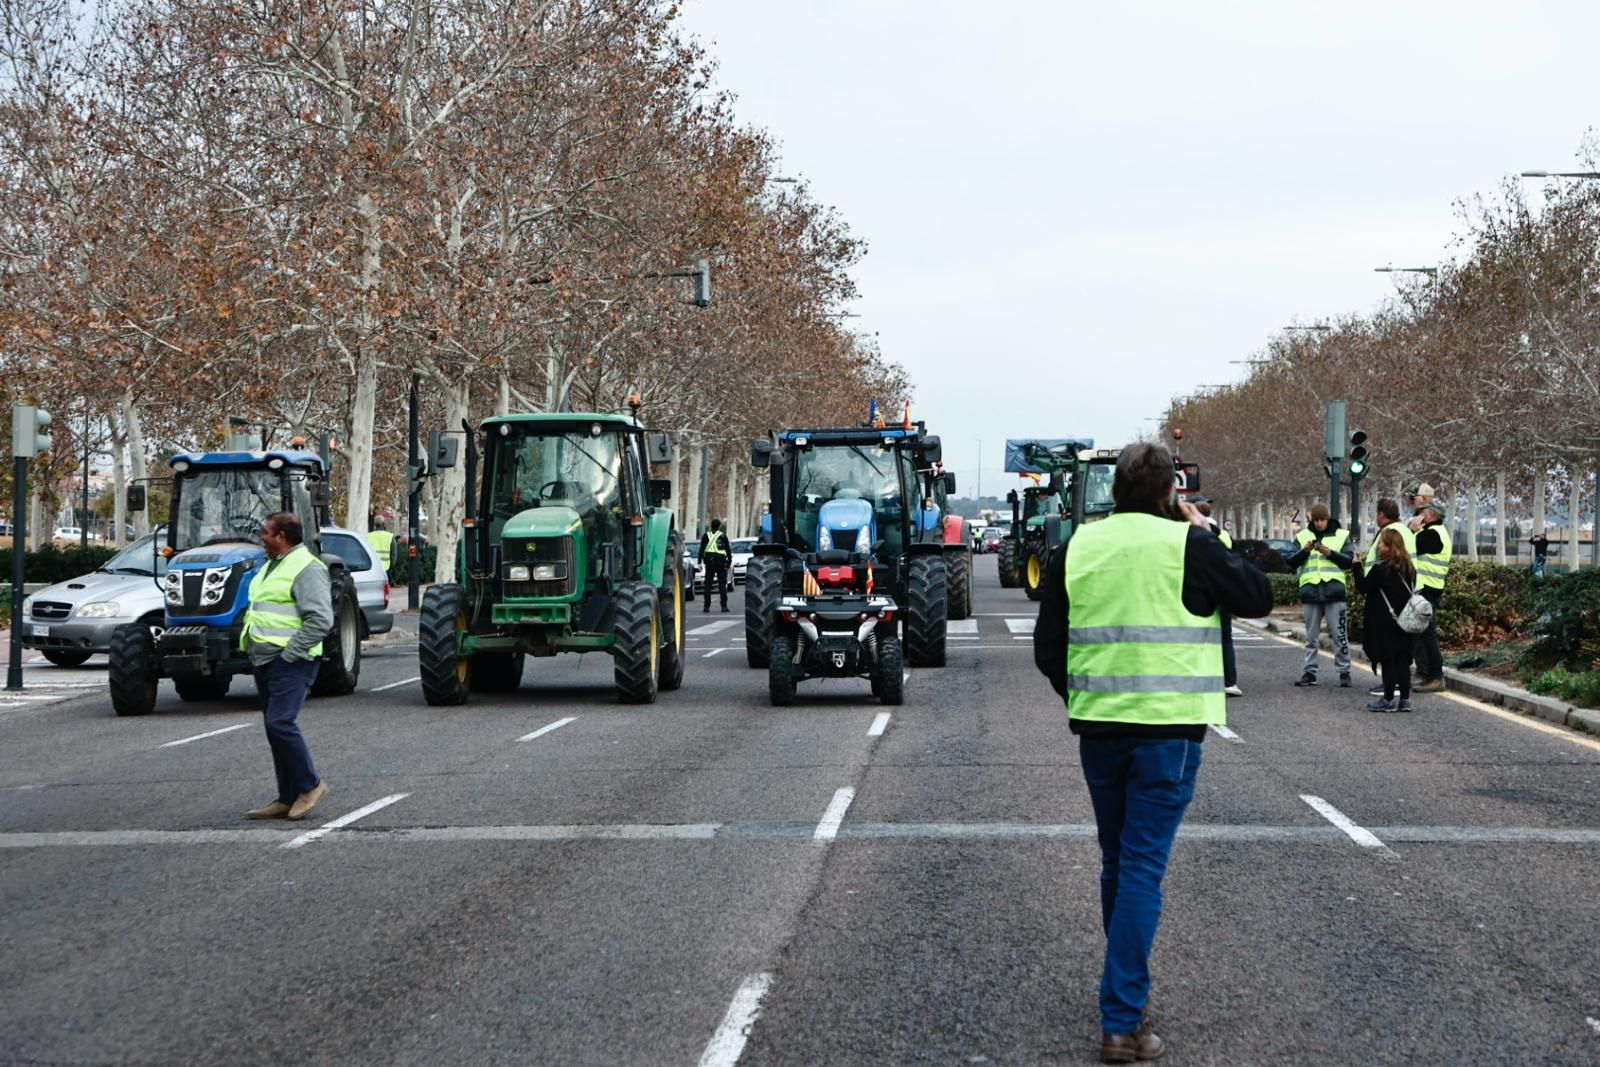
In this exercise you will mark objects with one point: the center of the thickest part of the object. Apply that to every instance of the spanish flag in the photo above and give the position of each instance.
(809, 585)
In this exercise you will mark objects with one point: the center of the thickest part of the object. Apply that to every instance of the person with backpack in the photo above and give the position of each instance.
(1389, 586)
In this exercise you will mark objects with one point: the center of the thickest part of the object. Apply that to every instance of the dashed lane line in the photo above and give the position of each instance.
(393, 685)
(716, 627)
(727, 1042)
(344, 820)
(880, 723)
(714, 652)
(202, 737)
(828, 828)
(1223, 731)
(541, 731)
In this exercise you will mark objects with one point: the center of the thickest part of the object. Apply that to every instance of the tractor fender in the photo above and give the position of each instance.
(955, 530)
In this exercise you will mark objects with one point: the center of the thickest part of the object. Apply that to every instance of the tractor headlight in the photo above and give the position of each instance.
(549, 572)
(864, 541)
(211, 596)
(100, 609)
(518, 573)
(175, 595)
(824, 539)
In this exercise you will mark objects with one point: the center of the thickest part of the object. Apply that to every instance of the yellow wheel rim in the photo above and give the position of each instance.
(655, 644)
(463, 664)
(1034, 575)
(677, 612)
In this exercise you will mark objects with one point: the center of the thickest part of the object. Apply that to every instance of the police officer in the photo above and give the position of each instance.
(1432, 558)
(1128, 633)
(714, 555)
(382, 542)
(1322, 562)
(290, 612)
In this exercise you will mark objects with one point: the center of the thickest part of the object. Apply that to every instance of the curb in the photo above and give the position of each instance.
(1488, 690)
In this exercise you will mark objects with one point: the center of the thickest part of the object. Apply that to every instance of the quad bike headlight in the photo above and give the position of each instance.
(863, 541)
(824, 539)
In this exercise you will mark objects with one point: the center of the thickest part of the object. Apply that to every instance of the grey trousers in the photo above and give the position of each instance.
(1337, 630)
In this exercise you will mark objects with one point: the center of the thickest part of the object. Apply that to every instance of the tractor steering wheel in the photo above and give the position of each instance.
(560, 490)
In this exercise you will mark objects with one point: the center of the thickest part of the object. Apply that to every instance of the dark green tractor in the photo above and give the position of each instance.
(566, 547)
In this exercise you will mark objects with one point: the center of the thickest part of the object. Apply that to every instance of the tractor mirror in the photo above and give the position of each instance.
(660, 490)
(442, 449)
(932, 450)
(321, 495)
(135, 498)
(658, 447)
(1011, 497)
(1188, 480)
(949, 482)
(761, 454)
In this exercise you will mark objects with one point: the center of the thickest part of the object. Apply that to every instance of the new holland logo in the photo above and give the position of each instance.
(838, 660)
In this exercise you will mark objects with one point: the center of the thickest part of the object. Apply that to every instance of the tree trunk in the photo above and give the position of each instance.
(450, 497)
(1472, 523)
(502, 400)
(1574, 501)
(119, 478)
(730, 518)
(1272, 520)
(1500, 517)
(364, 398)
(692, 520)
(138, 469)
(1538, 504)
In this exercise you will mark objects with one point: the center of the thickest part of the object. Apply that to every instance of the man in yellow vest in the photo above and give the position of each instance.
(1432, 558)
(290, 612)
(382, 542)
(1322, 562)
(715, 558)
(1128, 634)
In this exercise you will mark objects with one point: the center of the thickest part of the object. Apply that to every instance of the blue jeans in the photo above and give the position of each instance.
(1140, 789)
(284, 688)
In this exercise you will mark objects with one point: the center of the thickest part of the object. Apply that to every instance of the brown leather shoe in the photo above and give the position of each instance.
(1142, 1045)
(308, 800)
(276, 810)
(1432, 685)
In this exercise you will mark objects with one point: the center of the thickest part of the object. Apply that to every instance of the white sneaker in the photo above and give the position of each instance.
(1233, 691)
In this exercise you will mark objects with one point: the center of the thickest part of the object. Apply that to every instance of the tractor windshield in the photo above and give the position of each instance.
(1097, 479)
(871, 473)
(581, 471)
(217, 504)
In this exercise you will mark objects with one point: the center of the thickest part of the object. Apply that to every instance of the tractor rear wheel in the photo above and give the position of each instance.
(1033, 569)
(446, 673)
(341, 650)
(636, 653)
(926, 611)
(1006, 555)
(496, 672)
(958, 567)
(673, 610)
(133, 670)
(202, 686)
(888, 674)
(763, 584)
(780, 671)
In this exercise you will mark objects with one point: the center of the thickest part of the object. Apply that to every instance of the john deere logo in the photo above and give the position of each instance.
(533, 546)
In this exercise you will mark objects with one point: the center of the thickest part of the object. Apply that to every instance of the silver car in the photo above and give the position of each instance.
(743, 548)
(71, 621)
(372, 582)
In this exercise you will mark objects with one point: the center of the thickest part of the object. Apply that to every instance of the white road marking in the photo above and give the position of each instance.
(1022, 627)
(1004, 614)
(985, 648)
(541, 731)
(1223, 731)
(716, 627)
(1364, 838)
(1594, 1024)
(202, 737)
(879, 724)
(961, 626)
(393, 685)
(828, 828)
(727, 1043)
(713, 652)
(905, 678)
(345, 820)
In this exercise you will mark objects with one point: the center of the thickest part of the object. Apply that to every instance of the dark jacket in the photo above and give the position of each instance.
(716, 560)
(1323, 592)
(1381, 635)
(1214, 579)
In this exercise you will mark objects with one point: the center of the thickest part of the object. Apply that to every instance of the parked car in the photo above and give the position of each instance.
(742, 549)
(372, 584)
(70, 533)
(992, 536)
(72, 620)
(693, 580)
(1269, 555)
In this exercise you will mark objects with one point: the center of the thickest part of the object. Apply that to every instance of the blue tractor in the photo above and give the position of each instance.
(219, 501)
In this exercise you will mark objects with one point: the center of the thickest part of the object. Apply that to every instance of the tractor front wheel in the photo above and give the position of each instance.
(763, 585)
(888, 674)
(673, 610)
(446, 674)
(636, 654)
(959, 570)
(340, 671)
(926, 611)
(133, 670)
(1006, 556)
(1033, 573)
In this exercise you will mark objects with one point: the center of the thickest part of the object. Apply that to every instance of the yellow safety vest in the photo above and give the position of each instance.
(1405, 535)
(716, 544)
(272, 617)
(1433, 568)
(1225, 537)
(382, 542)
(1134, 652)
(1318, 568)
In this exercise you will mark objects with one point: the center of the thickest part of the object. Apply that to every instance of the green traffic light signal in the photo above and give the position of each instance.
(1358, 454)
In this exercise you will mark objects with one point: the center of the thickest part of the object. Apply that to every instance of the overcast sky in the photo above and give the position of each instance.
(1077, 210)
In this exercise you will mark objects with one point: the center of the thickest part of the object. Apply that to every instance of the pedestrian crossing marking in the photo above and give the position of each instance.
(962, 627)
(1021, 627)
(715, 627)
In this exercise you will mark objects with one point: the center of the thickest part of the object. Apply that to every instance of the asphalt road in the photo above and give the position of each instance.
(712, 880)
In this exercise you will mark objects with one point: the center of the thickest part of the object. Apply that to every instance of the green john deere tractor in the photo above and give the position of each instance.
(1040, 514)
(566, 547)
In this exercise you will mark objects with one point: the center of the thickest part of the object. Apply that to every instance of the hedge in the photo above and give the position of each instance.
(1483, 603)
(400, 568)
(1566, 614)
(50, 564)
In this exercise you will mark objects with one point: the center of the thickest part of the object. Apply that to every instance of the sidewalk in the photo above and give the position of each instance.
(1287, 622)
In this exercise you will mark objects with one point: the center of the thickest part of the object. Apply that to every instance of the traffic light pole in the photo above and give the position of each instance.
(1355, 509)
(19, 545)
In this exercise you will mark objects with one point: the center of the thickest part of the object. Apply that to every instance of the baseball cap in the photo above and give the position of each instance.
(1424, 490)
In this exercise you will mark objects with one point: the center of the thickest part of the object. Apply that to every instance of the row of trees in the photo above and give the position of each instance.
(283, 211)
(1481, 377)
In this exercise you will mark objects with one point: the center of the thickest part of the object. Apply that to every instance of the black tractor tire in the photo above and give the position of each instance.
(446, 674)
(340, 671)
(958, 570)
(888, 674)
(1006, 556)
(763, 587)
(1034, 563)
(496, 672)
(674, 600)
(132, 672)
(780, 670)
(636, 654)
(927, 611)
(66, 657)
(202, 686)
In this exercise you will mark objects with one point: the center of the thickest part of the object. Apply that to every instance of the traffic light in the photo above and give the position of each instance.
(1358, 454)
(27, 426)
(702, 283)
